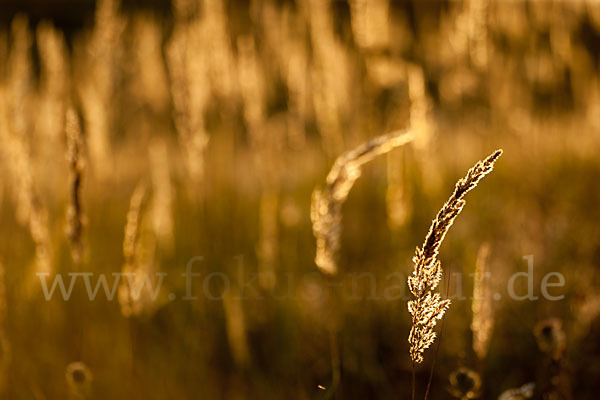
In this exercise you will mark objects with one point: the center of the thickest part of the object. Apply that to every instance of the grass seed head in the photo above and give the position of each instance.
(427, 307)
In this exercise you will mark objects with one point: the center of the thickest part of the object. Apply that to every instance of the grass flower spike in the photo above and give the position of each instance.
(427, 307)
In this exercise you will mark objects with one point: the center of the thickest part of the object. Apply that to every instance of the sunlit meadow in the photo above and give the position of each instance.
(221, 199)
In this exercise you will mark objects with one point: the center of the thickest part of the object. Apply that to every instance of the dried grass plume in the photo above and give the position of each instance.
(483, 313)
(427, 307)
(326, 206)
(75, 217)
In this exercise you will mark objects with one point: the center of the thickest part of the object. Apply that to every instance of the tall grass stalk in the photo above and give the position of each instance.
(326, 206)
(427, 307)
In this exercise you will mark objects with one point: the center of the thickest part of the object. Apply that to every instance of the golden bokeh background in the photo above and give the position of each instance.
(136, 136)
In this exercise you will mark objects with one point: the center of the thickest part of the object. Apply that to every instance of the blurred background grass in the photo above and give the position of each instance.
(249, 104)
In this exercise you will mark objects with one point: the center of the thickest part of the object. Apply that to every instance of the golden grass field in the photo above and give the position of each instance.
(292, 155)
